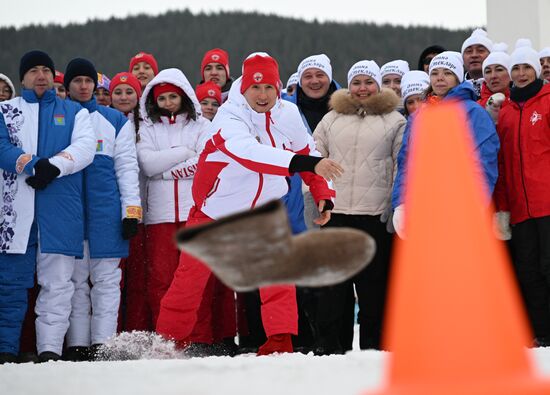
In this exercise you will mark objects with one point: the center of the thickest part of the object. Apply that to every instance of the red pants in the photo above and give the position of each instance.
(279, 309)
(197, 307)
(163, 257)
(137, 315)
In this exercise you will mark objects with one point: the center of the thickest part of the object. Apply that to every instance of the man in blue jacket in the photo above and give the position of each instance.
(45, 142)
(112, 211)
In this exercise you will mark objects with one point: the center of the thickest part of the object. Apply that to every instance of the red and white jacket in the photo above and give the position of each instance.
(246, 160)
(168, 153)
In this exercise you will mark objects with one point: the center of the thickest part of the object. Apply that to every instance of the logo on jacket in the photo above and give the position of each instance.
(535, 117)
(99, 146)
(59, 120)
(258, 77)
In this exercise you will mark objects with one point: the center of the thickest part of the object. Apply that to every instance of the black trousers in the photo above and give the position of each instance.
(531, 260)
(334, 314)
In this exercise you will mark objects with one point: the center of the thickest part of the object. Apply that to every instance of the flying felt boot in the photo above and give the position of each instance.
(256, 248)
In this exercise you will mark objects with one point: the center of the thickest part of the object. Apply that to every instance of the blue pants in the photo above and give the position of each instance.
(16, 277)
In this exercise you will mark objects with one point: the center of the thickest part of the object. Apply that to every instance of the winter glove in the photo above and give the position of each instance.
(44, 173)
(501, 225)
(129, 228)
(494, 104)
(387, 218)
(399, 221)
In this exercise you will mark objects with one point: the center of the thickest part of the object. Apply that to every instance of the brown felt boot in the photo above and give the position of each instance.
(256, 248)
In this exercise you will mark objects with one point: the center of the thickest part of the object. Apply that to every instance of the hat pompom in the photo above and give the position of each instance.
(523, 43)
(479, 32)
(500, 47)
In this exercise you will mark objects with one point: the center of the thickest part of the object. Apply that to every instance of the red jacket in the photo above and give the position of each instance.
(523, 185)
(485, 94)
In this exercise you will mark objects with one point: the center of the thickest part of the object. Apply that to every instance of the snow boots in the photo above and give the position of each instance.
(256, 248)
(279, 343)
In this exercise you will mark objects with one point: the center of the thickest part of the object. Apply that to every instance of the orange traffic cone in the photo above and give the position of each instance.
(455, 323)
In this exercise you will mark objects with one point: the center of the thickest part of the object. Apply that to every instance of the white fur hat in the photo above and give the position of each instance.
(366, 67)
(525, 54)
(320, 61)
(450, 60)
(414, 83)
(498, 56)
(478, 37)
(395, 67)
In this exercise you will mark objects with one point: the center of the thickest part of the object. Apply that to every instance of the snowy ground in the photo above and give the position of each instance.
(286, 374)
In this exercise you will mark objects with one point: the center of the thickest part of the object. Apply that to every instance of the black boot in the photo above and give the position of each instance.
(76, 354)
(199, 350)
(48, 356)
(28, 356)
(6, 357)
(96, 353)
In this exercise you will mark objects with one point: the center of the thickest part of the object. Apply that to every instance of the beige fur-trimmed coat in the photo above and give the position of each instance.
(365, 138)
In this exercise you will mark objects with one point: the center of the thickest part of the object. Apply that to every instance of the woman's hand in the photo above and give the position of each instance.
(324, 216)
(328, 169)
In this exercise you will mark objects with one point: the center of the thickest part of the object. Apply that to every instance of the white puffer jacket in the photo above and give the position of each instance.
(365, 139)
(168, 153)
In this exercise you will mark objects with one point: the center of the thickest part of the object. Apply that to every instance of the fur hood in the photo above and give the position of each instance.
(383, 103)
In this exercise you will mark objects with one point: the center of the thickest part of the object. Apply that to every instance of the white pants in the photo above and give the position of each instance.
(53, 305)
(94, 312)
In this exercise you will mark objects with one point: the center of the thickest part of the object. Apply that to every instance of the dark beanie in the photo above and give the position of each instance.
(32, 59)
(77, 67)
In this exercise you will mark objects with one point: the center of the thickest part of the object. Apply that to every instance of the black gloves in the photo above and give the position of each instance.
(44, 173)
(129, 228)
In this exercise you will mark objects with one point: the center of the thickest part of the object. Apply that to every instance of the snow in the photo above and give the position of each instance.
(353, 373)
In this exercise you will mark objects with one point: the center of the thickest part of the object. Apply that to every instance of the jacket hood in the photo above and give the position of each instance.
(5, 78)
(171, 76)
(383, 103)
(463, 91)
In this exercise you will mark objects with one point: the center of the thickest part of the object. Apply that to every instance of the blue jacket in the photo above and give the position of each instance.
(485, 137)
(65, 138)
(114, 167)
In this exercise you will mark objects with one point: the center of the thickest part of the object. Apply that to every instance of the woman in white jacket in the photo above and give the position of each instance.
(363, 132)
(171, 137)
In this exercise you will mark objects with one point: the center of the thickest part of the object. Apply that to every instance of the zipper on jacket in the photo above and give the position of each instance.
(268, 122)
(176, 201)
(259, 191)
(521, 161)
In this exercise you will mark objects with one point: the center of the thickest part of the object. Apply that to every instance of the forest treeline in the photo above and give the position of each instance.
(180, 38)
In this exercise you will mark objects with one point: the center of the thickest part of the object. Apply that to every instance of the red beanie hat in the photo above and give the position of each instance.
(216, 55)
(144, 57)
(165, 87)
(209, 90)
(125, 78)
(260, 69)
(59, 77)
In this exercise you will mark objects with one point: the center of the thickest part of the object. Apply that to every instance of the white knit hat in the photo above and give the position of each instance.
(320, 61)
(478, 37)
(414, 83)
(450, 60)
(498, 56)
(292, 80)
(544, 53)
(365, 67)
(395, 67)
(525, 54)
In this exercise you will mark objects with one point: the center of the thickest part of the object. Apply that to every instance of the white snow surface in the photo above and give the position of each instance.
(353, 373)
